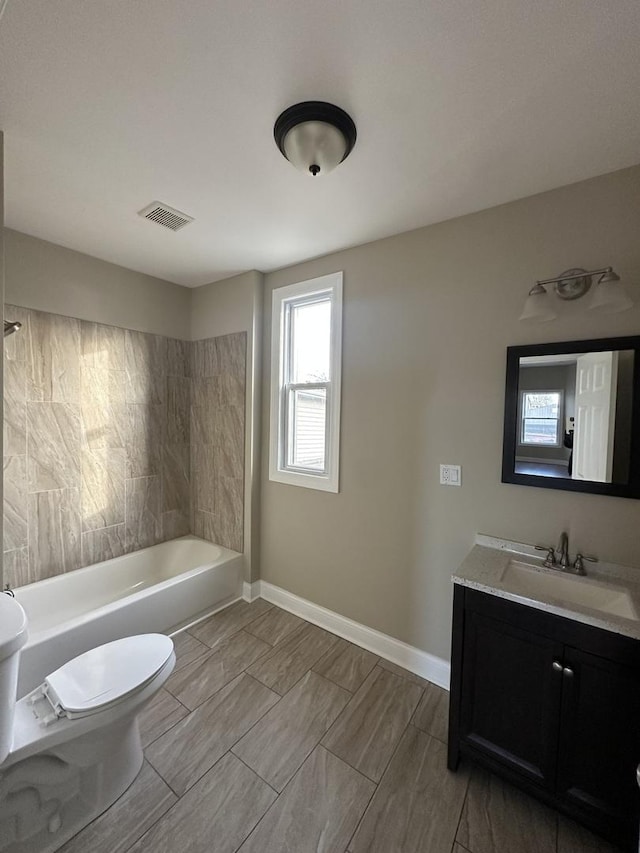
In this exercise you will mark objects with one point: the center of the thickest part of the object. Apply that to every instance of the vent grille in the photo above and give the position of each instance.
(166, 216)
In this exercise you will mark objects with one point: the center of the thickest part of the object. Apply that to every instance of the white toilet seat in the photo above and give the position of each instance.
(107, 675)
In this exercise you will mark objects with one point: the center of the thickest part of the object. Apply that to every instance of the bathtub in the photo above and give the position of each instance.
(152, 590)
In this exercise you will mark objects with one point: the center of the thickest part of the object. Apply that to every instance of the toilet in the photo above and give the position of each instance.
(71, 747)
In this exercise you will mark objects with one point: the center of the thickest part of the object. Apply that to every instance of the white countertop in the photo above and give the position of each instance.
(485, 565)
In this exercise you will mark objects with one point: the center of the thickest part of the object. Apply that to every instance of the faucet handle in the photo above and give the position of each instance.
(550, 559)
(578, 565)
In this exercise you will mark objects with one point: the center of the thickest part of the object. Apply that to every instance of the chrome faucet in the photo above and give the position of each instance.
(563, 548)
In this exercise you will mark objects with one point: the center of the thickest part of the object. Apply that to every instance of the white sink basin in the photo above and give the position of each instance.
(532, 581)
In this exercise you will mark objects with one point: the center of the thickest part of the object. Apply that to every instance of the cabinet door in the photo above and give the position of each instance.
(511, 696)
(599, 743)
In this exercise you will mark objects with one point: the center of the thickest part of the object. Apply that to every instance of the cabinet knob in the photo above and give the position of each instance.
(568, 672)
(557, 666)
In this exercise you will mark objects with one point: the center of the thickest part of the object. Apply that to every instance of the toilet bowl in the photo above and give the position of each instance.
(72, 746)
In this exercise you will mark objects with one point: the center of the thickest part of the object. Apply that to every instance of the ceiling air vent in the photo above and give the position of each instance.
(165, 215)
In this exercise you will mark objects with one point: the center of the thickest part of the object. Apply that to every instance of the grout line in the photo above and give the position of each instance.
(464, 803)
(255, 772)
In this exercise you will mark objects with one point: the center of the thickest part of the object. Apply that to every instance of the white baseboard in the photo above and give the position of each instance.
(434, 669)
(251, 591)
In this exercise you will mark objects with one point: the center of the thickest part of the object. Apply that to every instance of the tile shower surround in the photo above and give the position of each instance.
(115, 440)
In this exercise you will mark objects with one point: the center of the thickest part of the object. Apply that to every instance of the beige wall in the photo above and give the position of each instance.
(51, 278)
(427, 319)
(222, 308)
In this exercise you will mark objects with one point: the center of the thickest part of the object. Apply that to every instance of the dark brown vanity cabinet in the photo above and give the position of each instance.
(550, 704)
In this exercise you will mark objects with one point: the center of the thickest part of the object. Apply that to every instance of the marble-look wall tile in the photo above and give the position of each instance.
(175, 522)
(102, 346)
(232, 389)
(54, 343)
(15, 502)
(175, 477)
(54, 446)
(16, 346)
(178, 357)
(204, 359)
(203, 477)
(144, 436)
(231, 353)
(54, 532)
(145, 360)
(102, 406)
(229, 442)
(178, 403)
(205, 401)
(102, 487)
(99, 545)
(143, 513)
(15, 566)
(15, 407)
(229, 513)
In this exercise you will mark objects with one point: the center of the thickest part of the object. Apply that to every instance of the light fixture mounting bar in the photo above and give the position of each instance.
(570, 277)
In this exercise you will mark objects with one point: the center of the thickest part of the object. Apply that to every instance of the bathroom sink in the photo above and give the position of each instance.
(535, 581)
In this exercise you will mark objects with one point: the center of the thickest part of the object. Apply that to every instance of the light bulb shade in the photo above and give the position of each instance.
(610, 296)
(538, 307)
(315, 136)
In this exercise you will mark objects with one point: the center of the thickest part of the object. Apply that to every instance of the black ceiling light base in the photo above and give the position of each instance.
(315, 145)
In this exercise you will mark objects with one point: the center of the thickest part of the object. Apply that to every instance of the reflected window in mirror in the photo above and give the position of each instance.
(572, 416)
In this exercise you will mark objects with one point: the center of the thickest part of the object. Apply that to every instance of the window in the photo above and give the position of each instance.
(541, 413)
(306, 343)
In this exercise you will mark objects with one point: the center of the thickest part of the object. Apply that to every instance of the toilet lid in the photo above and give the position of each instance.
(107, 674)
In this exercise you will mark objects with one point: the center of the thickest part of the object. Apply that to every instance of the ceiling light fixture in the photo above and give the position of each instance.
(315, 136)
(609, 295)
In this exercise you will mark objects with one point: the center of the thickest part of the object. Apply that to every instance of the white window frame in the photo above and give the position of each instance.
(283, 298)
(560, 419)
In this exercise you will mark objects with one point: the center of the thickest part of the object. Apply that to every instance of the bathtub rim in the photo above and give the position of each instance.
(37, 637)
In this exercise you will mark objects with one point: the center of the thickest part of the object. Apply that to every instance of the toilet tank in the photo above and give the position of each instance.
(13, 636)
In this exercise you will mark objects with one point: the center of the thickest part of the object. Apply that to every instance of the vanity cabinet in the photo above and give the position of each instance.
(550, 704)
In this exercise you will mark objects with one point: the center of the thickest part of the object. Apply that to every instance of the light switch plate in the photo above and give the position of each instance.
(450, 475)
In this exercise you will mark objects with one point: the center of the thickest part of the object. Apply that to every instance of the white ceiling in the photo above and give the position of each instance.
(108, 105)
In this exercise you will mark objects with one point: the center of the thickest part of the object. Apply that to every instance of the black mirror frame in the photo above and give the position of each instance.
(514, 354)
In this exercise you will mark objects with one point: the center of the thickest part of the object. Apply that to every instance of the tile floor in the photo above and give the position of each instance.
(274, 736)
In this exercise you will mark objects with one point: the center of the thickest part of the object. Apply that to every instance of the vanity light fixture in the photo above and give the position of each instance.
(609, 295)
(315, 136)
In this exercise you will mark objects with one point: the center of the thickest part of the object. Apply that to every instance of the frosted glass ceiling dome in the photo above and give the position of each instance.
(315, 136)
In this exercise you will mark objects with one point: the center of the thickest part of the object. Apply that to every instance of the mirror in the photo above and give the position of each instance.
(572, 416)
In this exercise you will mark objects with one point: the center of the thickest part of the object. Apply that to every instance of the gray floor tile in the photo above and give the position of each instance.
(432, 713)
(228, 622)
(405, 673)
(274, 626)
(288, 662)
(193, 745)
(368, 730)
(127, 819)
(498, 817)
(215, 816)
(159, 715)
(187, 649)
(318, 810)
(346, 664)
(277, 745)
(418, 803)
(197, 681)
(576, 839)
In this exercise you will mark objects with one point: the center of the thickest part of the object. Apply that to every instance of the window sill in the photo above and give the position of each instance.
(307, 481)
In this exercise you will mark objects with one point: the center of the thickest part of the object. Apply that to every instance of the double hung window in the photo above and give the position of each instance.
(305, 383)
(541, 414)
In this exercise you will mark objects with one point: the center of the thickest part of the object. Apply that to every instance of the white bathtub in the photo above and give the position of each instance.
(150, 590)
